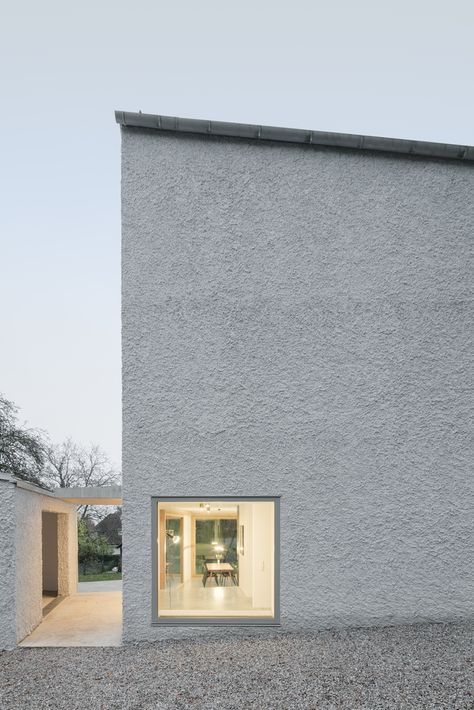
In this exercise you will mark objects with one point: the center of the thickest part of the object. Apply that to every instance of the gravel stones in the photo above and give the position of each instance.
(419, 666)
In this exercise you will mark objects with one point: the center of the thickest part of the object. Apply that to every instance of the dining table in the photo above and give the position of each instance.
(215, 569)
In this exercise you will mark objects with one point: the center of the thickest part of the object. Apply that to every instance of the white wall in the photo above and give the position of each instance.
(29, 506)
(262, 555)
(245, 560)
(256, 564)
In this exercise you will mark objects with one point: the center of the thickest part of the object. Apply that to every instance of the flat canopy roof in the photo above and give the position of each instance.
(91, 495)
(294, 135)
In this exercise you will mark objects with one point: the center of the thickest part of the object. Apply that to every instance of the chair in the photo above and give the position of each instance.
(208, 574)
(229, 575)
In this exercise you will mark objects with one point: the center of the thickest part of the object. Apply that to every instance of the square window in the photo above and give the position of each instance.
(215, 560)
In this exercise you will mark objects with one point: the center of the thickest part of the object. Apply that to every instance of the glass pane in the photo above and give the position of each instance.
(228, 537)
(204, 538)
(216, 541)
(173, 546)
(216, 559)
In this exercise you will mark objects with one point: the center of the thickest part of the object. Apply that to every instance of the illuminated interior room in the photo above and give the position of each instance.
(215, 559)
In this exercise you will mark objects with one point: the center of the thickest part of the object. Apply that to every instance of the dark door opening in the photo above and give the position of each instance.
(50, 558)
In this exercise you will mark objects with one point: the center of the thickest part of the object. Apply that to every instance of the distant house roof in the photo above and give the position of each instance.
(111, 528)
(294, 135)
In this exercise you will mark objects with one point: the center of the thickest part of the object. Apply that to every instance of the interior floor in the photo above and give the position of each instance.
(191, 598)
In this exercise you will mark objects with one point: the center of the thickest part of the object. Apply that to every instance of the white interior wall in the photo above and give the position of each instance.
(245, 560)
(262, 555)
(256, 564)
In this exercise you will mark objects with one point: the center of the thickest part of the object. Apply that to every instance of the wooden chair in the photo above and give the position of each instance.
(208, 574)
(231, 576)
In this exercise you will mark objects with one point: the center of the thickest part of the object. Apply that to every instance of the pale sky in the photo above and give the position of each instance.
(400, 69)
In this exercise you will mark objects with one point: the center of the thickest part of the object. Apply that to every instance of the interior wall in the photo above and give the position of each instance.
(49, 539)
(245, 560)
(262, 554)
(256, 564)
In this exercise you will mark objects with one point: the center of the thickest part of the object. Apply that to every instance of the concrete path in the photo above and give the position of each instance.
(115, 585)
(86, 619)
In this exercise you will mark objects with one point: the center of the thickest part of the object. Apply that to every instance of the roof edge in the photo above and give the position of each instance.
(91, 495)
(175, 124)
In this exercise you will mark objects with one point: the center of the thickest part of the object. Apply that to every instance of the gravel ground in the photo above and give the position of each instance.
(421, 666)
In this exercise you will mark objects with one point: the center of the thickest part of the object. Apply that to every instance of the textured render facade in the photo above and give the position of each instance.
(21, 556)
(298, 321)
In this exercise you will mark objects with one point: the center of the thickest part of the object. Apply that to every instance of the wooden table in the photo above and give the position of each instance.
(214, 569)
(218, 567)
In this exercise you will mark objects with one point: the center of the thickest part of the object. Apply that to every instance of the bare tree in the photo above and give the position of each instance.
(27, 454)
(94, 467)
(60, 467)
(22, 450)
(69, 465)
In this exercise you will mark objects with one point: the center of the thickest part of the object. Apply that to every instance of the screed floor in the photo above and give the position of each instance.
(193, 599)
(90, 619)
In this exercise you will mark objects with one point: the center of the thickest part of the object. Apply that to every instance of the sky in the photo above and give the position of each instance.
(400, 69)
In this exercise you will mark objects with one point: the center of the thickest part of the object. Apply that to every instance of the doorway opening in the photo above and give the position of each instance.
(50, 561)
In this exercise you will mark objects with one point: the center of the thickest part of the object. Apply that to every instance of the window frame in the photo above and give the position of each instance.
(157, 620)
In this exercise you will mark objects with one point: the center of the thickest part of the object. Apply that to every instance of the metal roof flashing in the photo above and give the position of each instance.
(316, 139)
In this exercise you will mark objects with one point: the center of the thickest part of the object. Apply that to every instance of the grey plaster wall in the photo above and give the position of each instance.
(299, 322)
(7, 564)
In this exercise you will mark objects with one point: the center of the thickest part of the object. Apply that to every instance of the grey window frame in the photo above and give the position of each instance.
(214, 621)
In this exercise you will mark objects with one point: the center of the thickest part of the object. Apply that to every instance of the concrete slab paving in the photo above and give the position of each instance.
(115, 585)
(85, 619)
